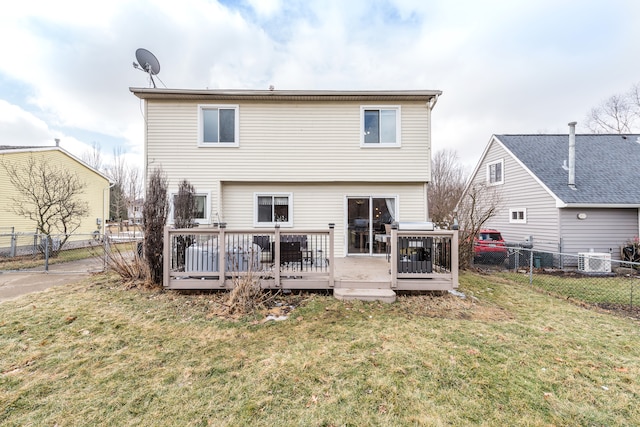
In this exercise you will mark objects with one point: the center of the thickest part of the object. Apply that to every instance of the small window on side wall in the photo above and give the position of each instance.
(218, 126)
(272, 209)
(518, 216)
(495, 173)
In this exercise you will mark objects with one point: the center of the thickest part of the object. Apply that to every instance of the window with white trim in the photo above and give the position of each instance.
(518, 216)
(202, 214)
(272, 209)
(218, 125)
(495, 172)
(380, 126)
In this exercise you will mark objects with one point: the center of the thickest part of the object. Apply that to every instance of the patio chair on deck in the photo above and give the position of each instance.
(290, 252)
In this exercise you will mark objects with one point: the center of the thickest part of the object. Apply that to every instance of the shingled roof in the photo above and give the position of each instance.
(607, 167)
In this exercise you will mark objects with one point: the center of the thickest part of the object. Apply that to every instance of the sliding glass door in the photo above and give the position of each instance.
(366, 220)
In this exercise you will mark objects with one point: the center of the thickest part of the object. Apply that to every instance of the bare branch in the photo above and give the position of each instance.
(49, 195)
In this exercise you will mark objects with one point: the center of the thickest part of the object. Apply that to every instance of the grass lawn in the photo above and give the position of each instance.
(34, 261)
(96, 353)
(613, 290)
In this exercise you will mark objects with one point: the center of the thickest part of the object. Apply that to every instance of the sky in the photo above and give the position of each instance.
(504, 66)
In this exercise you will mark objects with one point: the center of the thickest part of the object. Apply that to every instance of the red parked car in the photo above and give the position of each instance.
(489, 246)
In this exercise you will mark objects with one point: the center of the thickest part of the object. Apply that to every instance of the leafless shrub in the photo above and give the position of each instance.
(128, 264)
(154, 218)
(246, 297)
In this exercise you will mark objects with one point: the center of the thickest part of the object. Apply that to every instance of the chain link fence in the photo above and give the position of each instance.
(24, 251)
(591, 278)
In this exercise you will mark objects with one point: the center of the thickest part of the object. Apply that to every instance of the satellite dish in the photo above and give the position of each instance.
(148, 63)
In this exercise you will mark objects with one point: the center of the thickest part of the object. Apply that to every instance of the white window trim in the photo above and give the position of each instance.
(398, 128)
(236, 131)
(518, 221)
(207, 206)
(288, 224)
(501, 162)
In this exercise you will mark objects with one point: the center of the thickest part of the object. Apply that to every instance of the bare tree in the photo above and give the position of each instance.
(93, 157)
(478, 204)
(134, 193)
(49, 195)
(446, 187)
(154, 218)
(117, 173)
(617, 114)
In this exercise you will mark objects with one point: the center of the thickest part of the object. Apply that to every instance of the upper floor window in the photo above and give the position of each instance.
(218, 125)
(380, 126)
(518, 216)
(495, 172)
(272, 209)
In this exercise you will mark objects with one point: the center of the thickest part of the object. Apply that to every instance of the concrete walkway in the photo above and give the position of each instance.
(14, 284)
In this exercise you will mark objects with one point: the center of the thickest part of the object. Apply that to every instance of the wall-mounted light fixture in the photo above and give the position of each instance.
(582, 215)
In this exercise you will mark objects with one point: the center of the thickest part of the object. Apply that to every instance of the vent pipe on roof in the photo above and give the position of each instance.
(57, 140)
(572, 155)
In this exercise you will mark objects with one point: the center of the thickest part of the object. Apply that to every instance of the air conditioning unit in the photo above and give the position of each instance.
(594, 262)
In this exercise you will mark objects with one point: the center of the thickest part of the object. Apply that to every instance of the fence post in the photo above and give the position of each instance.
(14, 239)
(46, 253)
(531, 266)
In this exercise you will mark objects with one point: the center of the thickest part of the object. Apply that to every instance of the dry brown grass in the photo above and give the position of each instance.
(99, 353)
(124, 260)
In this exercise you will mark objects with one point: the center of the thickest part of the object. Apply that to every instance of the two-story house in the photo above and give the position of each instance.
(572, 193)
(296, 158)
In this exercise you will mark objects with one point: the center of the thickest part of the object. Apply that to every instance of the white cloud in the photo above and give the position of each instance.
(503, 66)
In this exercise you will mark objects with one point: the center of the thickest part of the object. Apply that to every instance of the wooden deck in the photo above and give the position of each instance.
(424, 261)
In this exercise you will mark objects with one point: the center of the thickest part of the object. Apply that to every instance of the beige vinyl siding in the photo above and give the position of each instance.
(603, 230)
(315, 205)
(521, 191)
(312, 142)
(95, 193)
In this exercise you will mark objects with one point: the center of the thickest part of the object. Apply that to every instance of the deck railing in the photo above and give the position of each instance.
(212, 258)
(423, 260)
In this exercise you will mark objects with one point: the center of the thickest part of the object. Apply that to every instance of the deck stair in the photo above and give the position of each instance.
(365, 294)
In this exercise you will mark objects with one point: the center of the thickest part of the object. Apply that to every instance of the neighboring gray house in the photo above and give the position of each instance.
(571, 203)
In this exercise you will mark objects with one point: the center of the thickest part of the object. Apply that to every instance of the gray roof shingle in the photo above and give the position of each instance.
(607, 166)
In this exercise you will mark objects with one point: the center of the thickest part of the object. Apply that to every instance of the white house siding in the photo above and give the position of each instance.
(286, 142)
(315, 205)
(521, 191)
(603, 230)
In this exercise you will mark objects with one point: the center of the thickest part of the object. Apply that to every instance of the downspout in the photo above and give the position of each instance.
(431, 104)
(572, 155)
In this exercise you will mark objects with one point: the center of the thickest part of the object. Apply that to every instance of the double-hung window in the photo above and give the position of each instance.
(272, 209)
(495, 172)
(218, 126)
(380, 126)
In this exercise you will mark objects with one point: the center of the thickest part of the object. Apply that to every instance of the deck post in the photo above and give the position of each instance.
(332, 227)
(166, 250)
(276, 256)
(222, 251)
(394, 255)
(454, 259)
